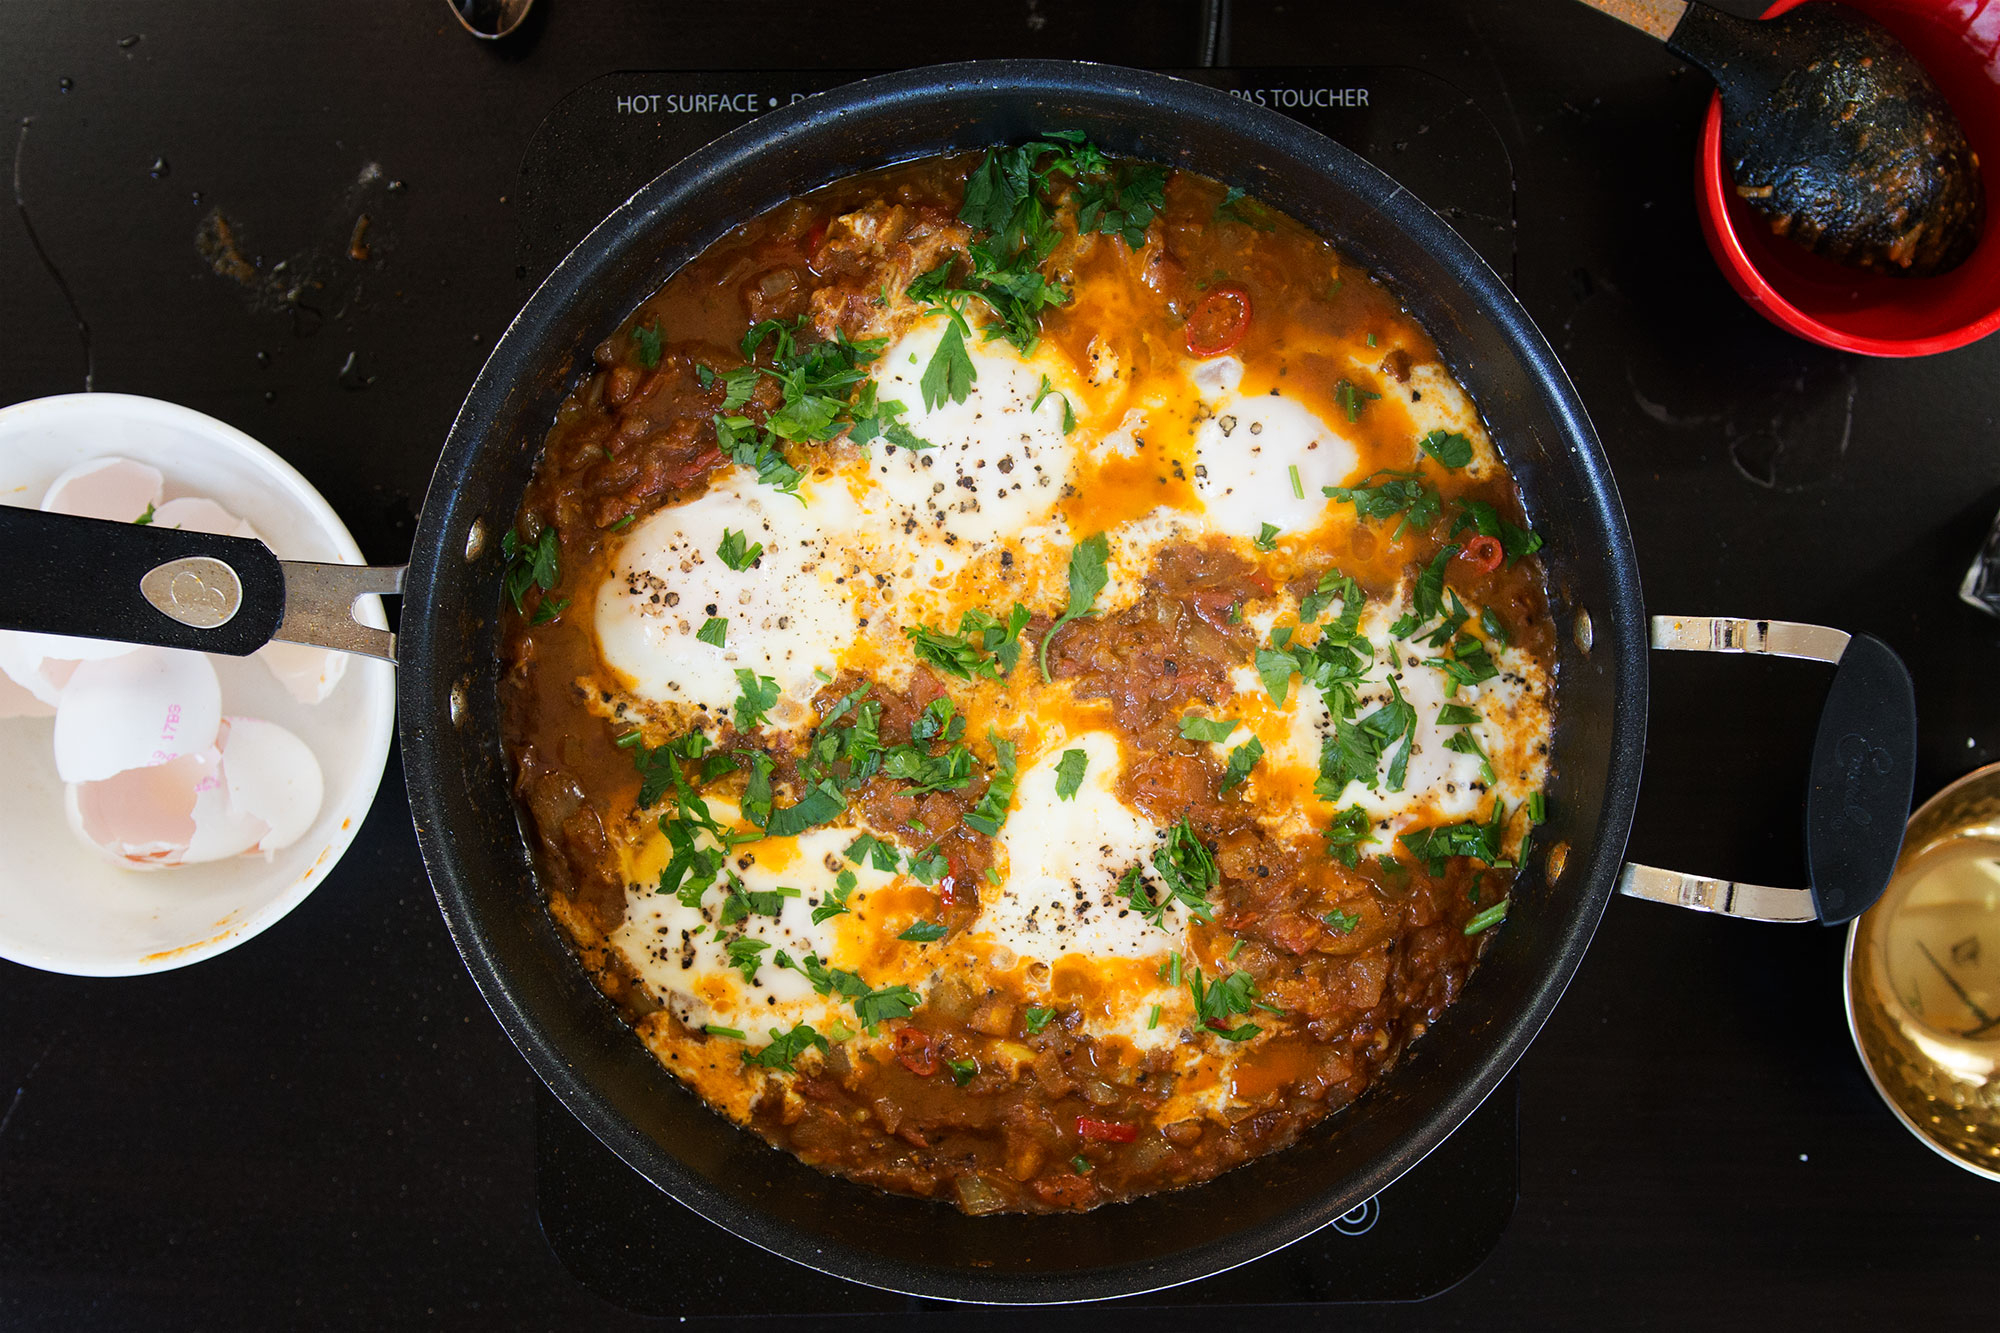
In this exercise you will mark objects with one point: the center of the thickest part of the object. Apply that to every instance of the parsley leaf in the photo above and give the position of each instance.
(735, 552)
(1088, 574)
(1492, 916)
(743, 956)
(1035, 1018)
(1457, 715)
(1343, 923)
(877, 1006)
(1401, 493)
(1267, 538)
(1133, 889)
(1188, 869)
(825, 980)
(1236, 206)
(1215, 1002)
(713, 630)
(950, 373)
(1352, 399)
(1449, 447)
(1195, 727)
(1464, 742)
(1484, 519)
(1350, 829)
(786, 1048)
(923, 932)
(1069, 773)
(1122, 201)
(646, 345)
(1434, 846)
(962, 1071)
(835, 902)
(1426, 596)
(548, 610)
(991, 812)
(1241, 760)
(868, 847)
(530, 564)
(146, 518)
(754, 703)
(822, 804)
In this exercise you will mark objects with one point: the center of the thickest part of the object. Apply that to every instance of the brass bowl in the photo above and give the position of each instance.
(1921, 1001)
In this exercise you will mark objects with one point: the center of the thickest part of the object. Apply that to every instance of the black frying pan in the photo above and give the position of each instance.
(468, 824)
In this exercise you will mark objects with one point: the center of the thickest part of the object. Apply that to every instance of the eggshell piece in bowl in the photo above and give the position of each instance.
(167, 815)
(24, 664)
(150, 706)
(111, 487)
(308, 674)
(18, 700)
(192, 513)
(272, 776)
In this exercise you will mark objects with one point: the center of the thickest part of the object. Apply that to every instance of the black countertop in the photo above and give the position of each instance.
(326, 1127)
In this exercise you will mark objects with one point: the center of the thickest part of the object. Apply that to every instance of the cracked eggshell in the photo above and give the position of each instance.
(24, 665)
(196, 514)
(17, 700)
(272, 777)
(109, 487)
(150, 706)
(170, 814)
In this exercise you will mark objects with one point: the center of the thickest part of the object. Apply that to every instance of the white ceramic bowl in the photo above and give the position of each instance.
(63, 908)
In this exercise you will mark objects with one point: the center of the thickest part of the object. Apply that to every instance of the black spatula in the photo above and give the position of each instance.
(1832, 131)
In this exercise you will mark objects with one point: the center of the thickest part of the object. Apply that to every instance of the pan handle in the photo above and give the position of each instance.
(93, 578)
(1864, 764)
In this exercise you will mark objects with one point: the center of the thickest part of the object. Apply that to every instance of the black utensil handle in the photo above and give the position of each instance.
(1863, 768)
(138, 583)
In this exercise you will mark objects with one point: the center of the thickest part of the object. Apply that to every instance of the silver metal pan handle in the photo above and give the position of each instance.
(1863, 768)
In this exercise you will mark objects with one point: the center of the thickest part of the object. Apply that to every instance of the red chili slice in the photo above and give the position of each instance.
(1483, 553)
(814, 237)
(916, 1052)
(1105, 1131)
(1219, 321)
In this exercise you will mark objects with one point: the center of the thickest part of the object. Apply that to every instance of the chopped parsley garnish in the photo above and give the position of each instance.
(1426, 596)
(1195, 727)
(991, 812)
(1353, 753)
(1345, 835)
(1468, 664)
(1080, 1164)
(1493, 627)
(1298, 487)
(825, 980)
(646, 344)
(1153, 1018)
(1492, 916)
(1241, 760)
(786, 1048)
(817, 384)
(1069, 773)
(743, 956)
(1464, 742)
(924, 932)
(717, 1030)
(1121, 201)
(821, 804)
(925, 771)
(929, 866)
(1352, 400)
(530, 564)
(1133, 889)
(754, 702)
(736, 552)
(1342, 923)
(1448, 447)
(1457, 715)
(1035, 1018)
(1069, 413)
(146, 519)
(624, 523)
(984, 645)
(962, 1071)
(1267, 538)
(878, 1006)
(1236, 206)
(1484, 519)
(1216, 1002)
(713, 630)
(548, 610)
(1398, 494)
(1537, 808)
(872, 849)
(949, 376)
(835, 902)
(1333, 586)
(1088, 573)
(1434, 846)
(940, 721)
(1188, 869)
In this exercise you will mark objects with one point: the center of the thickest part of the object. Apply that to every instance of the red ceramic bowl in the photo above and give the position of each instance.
(1958, 43)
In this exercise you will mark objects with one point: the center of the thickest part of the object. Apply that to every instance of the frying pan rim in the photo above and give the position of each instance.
(426, 681)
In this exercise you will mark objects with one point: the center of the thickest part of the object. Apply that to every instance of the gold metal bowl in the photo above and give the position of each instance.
(1923, 977)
